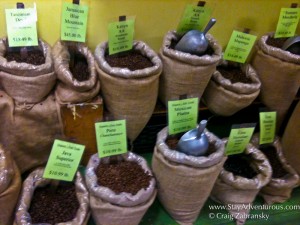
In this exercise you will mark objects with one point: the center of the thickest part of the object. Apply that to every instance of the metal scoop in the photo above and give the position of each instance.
(292, 45)
(194, 142)
(194, 41)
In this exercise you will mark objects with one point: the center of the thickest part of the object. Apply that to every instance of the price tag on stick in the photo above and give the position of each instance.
(111, 138)
(239, 138)
(239, 47)
(288, 21)
(21, 27)
(182, 115)
(193, 18)
(267, 124)
(120, 35)
(74, 22)
(63, 161)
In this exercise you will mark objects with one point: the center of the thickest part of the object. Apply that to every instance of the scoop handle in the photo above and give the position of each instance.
(211, 22)
(201, 128)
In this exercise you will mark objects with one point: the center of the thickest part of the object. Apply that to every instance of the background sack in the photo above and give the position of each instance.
(35, 179)
(28, 130)
(109, 208)
(185, 182)
(10, 186)
(291, 139)
(278, 190)
(239, 192)
(70, 90)
(279, 73)
(225, 98)
(183, 73)
(25, 82)
(129, 95)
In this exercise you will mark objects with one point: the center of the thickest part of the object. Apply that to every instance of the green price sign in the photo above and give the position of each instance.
(287, 23)
(182, 115)
(267, 123)
(239, 46)
(63, 161)
(193, 18)
(120, 36)
(21, 27)
(239, 137)
(74, 22)
(111, 138)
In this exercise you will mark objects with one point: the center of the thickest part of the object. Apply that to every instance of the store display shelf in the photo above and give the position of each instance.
(285, 213)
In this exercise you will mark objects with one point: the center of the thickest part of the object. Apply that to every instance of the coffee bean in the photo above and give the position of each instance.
(123, 176)
(35, 57)
(276, 42)
(80, 69)
(239, 165)
(234, 74)
(271, 153)
(54, 206)
(133, 60)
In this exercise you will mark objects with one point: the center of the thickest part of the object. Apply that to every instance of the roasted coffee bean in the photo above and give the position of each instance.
(132, 60)
(123, 176)
(239, 165)
(54, 206)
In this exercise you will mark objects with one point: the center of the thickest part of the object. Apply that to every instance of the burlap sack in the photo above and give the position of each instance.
(70, 90)
(278, 190)
(237, 192)
(291, 139)
(28, 130)
(109, 208)
(127, 94)
(10, 186)
(25, 82)
(225, 98)
(185, 182)
(279, 73)
(35, 179)
(183, 73)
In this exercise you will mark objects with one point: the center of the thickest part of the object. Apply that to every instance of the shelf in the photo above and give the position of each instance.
(156, 214)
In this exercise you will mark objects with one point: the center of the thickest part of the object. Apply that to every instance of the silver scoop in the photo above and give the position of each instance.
(194, 142)
(194, 41)
(292, 45)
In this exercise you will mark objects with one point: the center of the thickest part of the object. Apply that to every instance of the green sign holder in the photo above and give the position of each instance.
(120, 35)
(182, 115)
(194, 18)
(267, 124)
(74, 22)
(288, 22)
(111, 138)
(63, 161)
(21, 26)
(239, 138)
(239, 46)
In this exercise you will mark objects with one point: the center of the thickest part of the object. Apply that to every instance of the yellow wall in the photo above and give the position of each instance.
(155, 17)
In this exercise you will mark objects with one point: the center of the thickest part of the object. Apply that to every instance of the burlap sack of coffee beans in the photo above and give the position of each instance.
(239, 192)
(225, 98)
(185, 182)
(127, 94)
(28, 111)
(279, 73)
(284, 177)
(291, 139)
(110, 208)
(185, 74)
(35, 180)
(69, 89)
(27, 83)
(10, 186)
